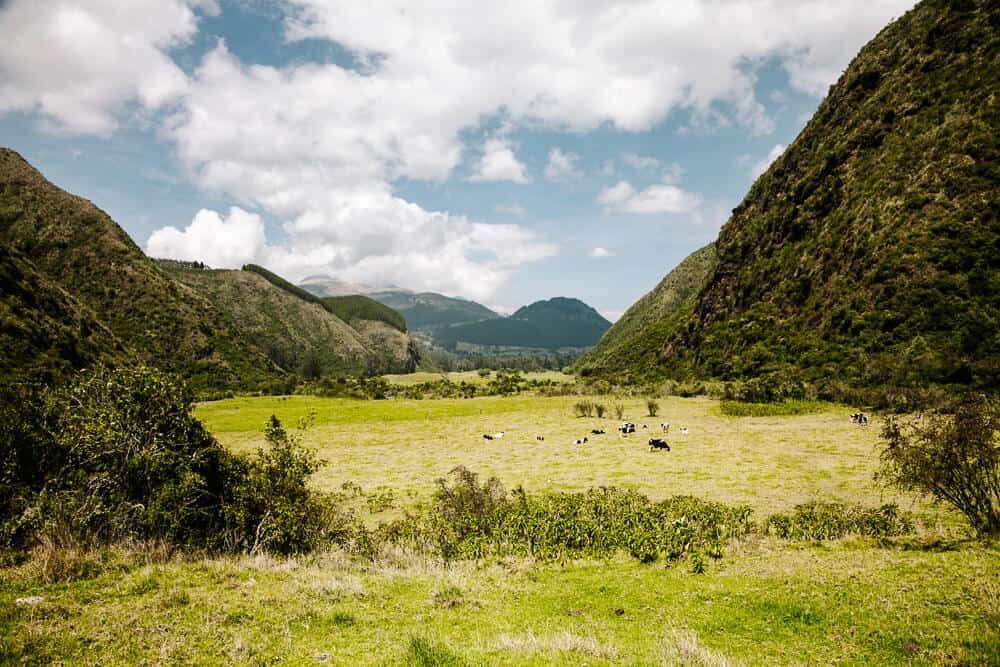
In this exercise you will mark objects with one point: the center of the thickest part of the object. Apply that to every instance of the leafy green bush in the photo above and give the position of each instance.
(782, 409)
(830, 520)
(954, 458)
(652, 406)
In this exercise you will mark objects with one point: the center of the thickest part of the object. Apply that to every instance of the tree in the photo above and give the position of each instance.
(953, 458)
(652, 406)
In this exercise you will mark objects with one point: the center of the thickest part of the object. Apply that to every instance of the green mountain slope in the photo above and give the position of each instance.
(431, 311)
(356, 307)
(635, 341)
(45, 333)
(298, 334)
(868, 255)
(552, 324)
(78, 247)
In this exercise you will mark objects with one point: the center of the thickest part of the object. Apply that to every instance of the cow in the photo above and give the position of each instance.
(684, 430)
(581, 441)
(539, 438)
(657, 443)
(645, 425)
(597, 431)
(497, 436)
(859, 418)
(487, 436)
(626, 427)
(665, 426)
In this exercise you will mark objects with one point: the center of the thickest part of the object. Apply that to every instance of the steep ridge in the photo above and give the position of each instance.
(635, 340)
(82, 250)
(868, 255)
(553, 324)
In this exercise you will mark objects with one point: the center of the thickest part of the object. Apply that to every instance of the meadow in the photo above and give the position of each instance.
(932, 597)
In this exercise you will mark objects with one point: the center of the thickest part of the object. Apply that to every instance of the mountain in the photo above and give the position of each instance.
(46, 333)
(77, 289)
(330, 286)
(297, 334)
(634, 341)
(553, 324)
(431, 311)
(868, 255)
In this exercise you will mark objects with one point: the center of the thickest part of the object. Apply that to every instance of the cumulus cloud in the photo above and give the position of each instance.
(761, 166)
(79, 64)
(658, 198)
(498, 163)
(224, 243)
(561, 167)
(600, 252)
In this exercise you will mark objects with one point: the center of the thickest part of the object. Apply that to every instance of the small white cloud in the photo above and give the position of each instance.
(612, 315)
(499, 163)
(762, 166)
(640, 161)
(673, 173)
(660, 198)
(562, 166)
(600, 252)
(226, 243)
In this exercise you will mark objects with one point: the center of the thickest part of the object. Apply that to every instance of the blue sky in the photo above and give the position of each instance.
(505, 154)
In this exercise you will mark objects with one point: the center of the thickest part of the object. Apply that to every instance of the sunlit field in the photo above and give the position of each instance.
(472, 377)
(770, 463)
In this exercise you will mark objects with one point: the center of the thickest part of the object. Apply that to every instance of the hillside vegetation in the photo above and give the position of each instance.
(868, 255)
(432, 311)
(635, 341)
(358, 307)
(80, 249)
(556, 323)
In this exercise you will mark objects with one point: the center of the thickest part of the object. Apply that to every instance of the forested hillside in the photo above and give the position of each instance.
(868, 255)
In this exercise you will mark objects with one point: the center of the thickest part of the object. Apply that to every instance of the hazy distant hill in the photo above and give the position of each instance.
(428, 310)
(552, 324)
(635, 341)
(868, 255)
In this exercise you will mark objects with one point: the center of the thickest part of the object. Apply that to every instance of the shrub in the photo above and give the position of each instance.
(953, 458)
(619, 410)
(830, 520)
(583, 408)
(600, 409)
(652, 406)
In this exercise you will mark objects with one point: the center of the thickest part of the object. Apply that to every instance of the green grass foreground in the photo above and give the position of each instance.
(768, 603)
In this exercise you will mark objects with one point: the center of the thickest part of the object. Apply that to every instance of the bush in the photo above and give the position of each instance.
(619, 410)
(600, 409)
(953, 458)
(652, 406)
(828, 520)
(583, 408)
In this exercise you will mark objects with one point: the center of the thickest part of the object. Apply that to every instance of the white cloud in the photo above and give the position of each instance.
(658, 198)
(761, 166)
(612, 315)
(600, 252)
(498, 163)
(561, 166)
(80, 64)
(224, 243)
(637, 161)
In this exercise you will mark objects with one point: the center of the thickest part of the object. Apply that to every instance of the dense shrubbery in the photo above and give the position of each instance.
(117, 455)
(473, 520)
(954, 458)
(830, 520)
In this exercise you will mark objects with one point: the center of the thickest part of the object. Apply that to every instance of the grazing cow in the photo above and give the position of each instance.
(581, 441)
(540, 438)
(859, 418)
(657, 443)
(626, 427)
(597, 431)
(487, 436)
(497, 436)
(665, 426)
(684, 430)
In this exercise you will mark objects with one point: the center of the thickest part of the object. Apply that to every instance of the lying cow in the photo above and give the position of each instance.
(581, 441)
(597, 431)
(657, 443)
(539, 438)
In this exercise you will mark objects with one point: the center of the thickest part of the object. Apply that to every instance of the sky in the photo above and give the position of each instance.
(501, 152)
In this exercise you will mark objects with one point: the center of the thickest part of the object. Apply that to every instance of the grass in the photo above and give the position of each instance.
(766, 604)
(770, 463)
(932, 598)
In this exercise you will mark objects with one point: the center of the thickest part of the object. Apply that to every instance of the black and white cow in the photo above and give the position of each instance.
(626, 427)
(665, 426)
(581, 441)
(539, 438)
(597, 431)
(657, 443)
(859, 418)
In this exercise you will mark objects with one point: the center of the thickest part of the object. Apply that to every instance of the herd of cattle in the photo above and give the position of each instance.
(655, 444)
(626, 428)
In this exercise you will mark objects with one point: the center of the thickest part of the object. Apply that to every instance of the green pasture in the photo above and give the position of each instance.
(473, 377)
(770, 463)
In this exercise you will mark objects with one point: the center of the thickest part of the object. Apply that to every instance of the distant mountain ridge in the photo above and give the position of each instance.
(551, 324)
